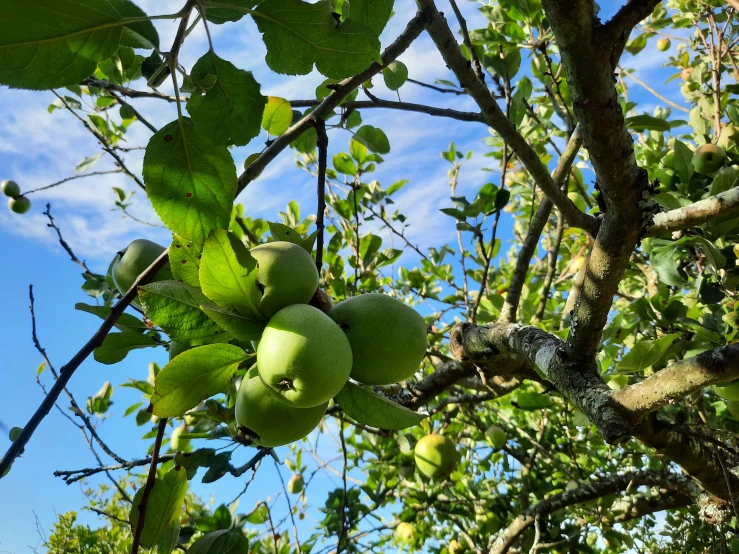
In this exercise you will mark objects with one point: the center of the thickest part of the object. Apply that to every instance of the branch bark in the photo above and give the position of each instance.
(66, 372)
(721, 205)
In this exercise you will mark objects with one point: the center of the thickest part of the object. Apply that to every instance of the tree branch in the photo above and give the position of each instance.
(446, 43)
(322, 145)
(610, 485)
(326, 107)
(66, 372)
(702, 211)
(679, 380)
(376, 102)
(616, 31)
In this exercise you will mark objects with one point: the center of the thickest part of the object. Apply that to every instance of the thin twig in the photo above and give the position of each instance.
(321, 188)
(343, 531)
(148, 486)
(64, 244)
(289, 505)
(654, 92)
(476, 65)
(81, 176)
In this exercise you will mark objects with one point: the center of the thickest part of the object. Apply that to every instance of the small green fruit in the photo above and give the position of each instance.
(304, 356)
(455, 547)
(274, 423)
(19, 204)
(436, 456)
(177, 348)
(663, 44)
(295, 484)
(686, 73)
(728, 392)
(134, 259)
(405, 533)
(496, 436)
(10, 188)
(578, 200)
(176, 442)
(388, 338)
(15, 432)
(287, 275)
(708, 159)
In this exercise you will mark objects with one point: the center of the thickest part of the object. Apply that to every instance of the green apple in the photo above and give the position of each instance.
(176, 442)
(663, 44)
(578, 200)
(268, 419)
(287, 275)
(388, 338)
(133, 260)
(436, 456)
(304, 356)
(708, 159)
(686, 73)
(19, 204)
(177, 348)
(455, 547)
(10, 188)
(295, 484)
(729, 391)
(405, 533)
(496, 437)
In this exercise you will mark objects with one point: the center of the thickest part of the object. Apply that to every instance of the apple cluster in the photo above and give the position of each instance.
(16, 201)
(306, 354)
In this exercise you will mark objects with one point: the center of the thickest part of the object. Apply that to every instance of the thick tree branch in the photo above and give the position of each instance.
(616, 31)
(714, 510)
(546, 353)
(721, 205)
(447, 45)
(530, 243)
(322, 145)
(326, 107)
(679, 380)
(66, 372)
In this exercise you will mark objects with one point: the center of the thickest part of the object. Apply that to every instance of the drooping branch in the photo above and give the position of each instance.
(679, 380)
(702, 211)
(714, 510)
(66, 371)
(513, 296)
(447, 45)
(326, 107)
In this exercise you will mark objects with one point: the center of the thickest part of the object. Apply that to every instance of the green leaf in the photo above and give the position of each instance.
(373, 138)
(284, 233)
(116, 346)
(529, 400)
(343, 163)
(136, 34)
(646, 122)
(683, 162)
(367, 407)
(184, 259)
(455, 213)
(193, 376)
(258, 515)
(165, 500)
(191, 183)
(168, 540)
(126, 322)
(645, 353)
(230, 112)
(175, 307)
(395, 75)
(373, 13)
(223, 15)
(725, 179)
(277, 116)
(221, 542)
(87, 163)
(298, 34)
(228, 275)
(306, 142)
(55, 43)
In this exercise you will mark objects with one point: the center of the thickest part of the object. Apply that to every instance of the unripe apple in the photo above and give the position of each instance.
(388, 338)
(295, 484)
(405, 533)
(708, 159)
(19, 204)
(686, 73)
(436, 456)
(304, 356)
(269, 420)
(10, 188)
(496, 436)
(133, 260)
(287, 275)
(578, 200)
(663, 44)
(176, 442)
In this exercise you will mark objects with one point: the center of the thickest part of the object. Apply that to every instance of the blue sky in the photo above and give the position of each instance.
(37, 149)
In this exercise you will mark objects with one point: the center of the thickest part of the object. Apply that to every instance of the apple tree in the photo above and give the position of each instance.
(569, 390)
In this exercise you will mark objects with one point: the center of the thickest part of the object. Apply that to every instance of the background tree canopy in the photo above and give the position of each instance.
(582, 309)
